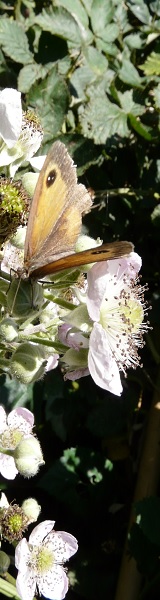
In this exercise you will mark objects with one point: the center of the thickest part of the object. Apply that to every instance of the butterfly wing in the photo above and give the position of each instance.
(55, 217)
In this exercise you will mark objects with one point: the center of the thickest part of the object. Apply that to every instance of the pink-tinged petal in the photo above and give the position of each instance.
(3, 419)
(102, 365)
(10, 115)
(26, 584)
(7, 466)
(127, 266)
(76, 374)
(64, 545)
(97, 282)
(62, 333)
(21, 418)
(22, 554)
(55, 584)
(40, 531)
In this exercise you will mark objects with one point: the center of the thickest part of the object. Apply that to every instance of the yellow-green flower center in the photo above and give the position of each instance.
(42, 560)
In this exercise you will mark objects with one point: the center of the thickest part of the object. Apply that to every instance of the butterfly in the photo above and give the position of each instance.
(55, 220)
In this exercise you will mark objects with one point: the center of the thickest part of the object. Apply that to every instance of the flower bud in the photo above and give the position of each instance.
(28, 362)
(29, 181)
(31, 509)
(4, 562)
(8, 329)
(18, 239)
(28, 456)
(24, 296)
(85, 242)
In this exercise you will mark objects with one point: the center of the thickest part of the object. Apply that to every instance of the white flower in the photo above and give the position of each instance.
(104, 339)
(20, 134)
(40, 562)
(115, 305)
(13, 428)
(10, 116)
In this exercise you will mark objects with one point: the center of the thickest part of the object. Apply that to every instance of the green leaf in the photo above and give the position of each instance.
(110, 33)
(59, 21)
(110, 49)
(155, 216)
(157, 95)
(14, 42)
(80, 80)
(139, 128)
(140, 10)
(101, 14)
(128, 104)
(152, 64)
(134, 40)
(129, 74)
(102, 119)
(51, 100)
(96, 60)
(28, 75)
(76, 9)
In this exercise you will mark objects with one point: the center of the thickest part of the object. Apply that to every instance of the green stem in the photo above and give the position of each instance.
(8, 588)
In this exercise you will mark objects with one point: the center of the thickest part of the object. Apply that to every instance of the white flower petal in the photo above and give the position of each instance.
(127, 266)
(21, 418)
(102, 366)
(37, 162)
(3, 501)
(26, 585)
(64, 545)
(7, 466)
(3, 419)
(10, 115)
(97, 282)
(54, 584)
(22, 555)
(40, 531)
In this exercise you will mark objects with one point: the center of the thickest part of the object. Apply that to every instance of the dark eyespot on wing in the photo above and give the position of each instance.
(51, 178)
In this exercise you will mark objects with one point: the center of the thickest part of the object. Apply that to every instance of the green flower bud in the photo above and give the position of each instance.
(29, 181)
(31, 509)
(4, 562)
(28, 362)
(23, 297)
(8, 329)
(28, 456)
(85, 242)
(19, 238)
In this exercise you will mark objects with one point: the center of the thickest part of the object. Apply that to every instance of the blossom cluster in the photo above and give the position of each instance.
(99, 329)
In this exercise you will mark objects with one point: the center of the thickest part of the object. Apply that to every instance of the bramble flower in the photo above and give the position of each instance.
(20, 133)
(13, 429)
(113, 325)
(40, 562)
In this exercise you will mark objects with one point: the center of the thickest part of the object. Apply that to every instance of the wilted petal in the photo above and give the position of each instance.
(10, 116)
(55, 583)
(101, 363)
